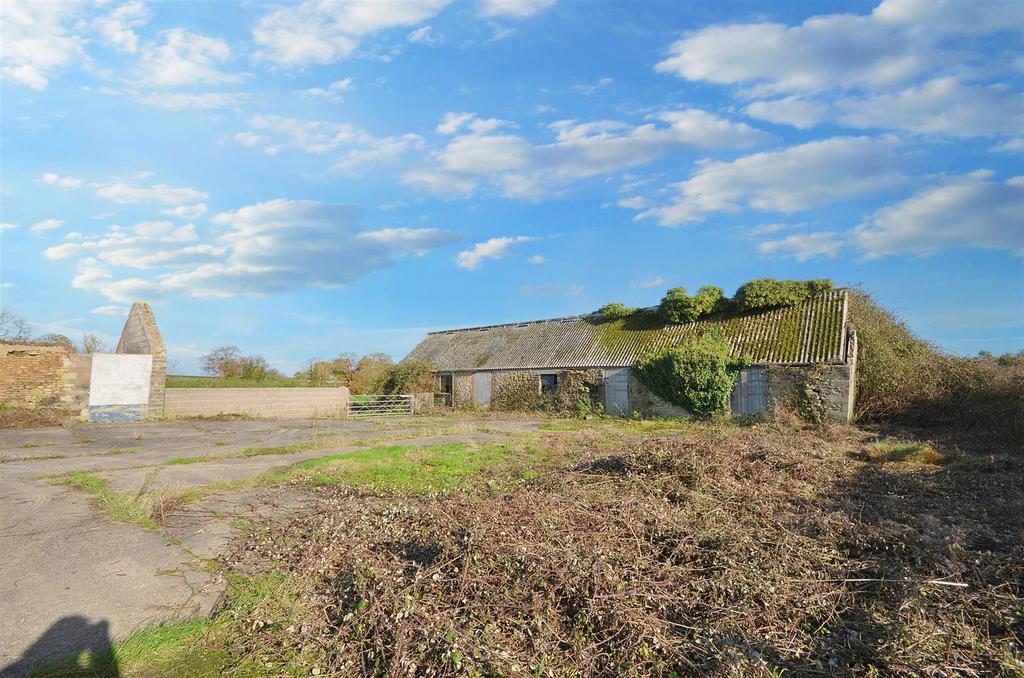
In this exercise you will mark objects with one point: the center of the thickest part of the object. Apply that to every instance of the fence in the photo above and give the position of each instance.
(381, 405)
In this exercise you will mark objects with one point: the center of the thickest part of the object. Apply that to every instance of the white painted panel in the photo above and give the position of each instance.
(120, 379)
(616, 392)
(482, 389)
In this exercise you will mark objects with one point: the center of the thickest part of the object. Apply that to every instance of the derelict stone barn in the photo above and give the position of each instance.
(127, 385)
(787, 347)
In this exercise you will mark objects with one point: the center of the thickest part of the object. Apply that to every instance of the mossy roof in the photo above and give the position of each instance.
(810, 332)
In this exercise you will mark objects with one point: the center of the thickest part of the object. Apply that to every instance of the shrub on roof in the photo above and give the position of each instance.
(764, 293)
(678, 307)
(615, 311)
(697, 373)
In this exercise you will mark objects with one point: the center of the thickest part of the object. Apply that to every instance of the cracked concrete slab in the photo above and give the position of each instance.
(68, 570)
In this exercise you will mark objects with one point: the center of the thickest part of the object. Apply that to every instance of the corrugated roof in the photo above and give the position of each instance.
(810, 332)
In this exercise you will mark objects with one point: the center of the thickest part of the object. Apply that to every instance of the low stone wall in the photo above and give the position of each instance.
(282, 403)
(648, 404)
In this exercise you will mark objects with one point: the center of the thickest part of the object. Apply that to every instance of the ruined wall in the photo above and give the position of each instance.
(36, 377)
(648, 404)
(819, 393)
(282, 403)
(141, 336)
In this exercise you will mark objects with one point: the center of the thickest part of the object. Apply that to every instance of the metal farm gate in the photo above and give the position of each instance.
(380, 405)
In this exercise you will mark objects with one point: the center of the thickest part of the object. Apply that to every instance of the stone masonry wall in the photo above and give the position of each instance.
(644, 401)
(282, 403)
(833, 384)
(36, 376)
(141, 336)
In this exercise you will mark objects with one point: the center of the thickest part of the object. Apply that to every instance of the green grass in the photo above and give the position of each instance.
(120, 506)
(294, 448)
(912, 453)
(171, 649)
(85, 441)
(127, 450)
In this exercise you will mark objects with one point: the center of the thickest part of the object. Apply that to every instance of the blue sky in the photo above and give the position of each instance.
(304, 179)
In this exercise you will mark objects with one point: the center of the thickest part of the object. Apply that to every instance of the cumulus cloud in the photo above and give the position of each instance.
(790, 180)
(332, 91)
(186, 211)
(590, 89)
(314, 32)
(537, 260)
(1009, 146)
(495, 248)
(519, 9)
(969, 211)
(518, 168)
(46, 225)
(36, 42)
(54, 179)
(908, 65)
(424, 35)
(184, 58)
(263, 248)
(116, 27)
(129, 193)
(6, 226)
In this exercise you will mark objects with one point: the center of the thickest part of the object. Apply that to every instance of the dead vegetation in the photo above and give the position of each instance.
(20, 417)
(717, 551)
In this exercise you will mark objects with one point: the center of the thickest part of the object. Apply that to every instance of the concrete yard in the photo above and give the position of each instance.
(72, 578)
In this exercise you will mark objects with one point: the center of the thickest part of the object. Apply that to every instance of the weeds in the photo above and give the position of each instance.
(120, 506)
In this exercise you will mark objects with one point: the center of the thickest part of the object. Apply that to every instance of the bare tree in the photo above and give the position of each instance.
(91, 343)
(14, 327)
(223, 361)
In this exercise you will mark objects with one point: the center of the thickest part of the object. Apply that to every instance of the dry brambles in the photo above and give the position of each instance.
(728, 552)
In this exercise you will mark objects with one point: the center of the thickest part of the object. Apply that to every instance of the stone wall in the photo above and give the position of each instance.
(644, 401)
(141, 336)
(282, 403)
(36, 377)
(824, 391)
(462, 389)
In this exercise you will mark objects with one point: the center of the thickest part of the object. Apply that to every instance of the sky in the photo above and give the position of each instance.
(310, 178)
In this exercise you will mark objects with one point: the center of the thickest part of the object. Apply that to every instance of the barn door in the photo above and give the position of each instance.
(616, 392)
(751, 393)
(482, 389)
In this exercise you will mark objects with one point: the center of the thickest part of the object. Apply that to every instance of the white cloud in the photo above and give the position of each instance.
(115, 28)
(264, 248)
(793, 179)
(590, 89)
(316, 32)
(6, 285)
(519, 169)
(125, 193)
(310, 136)
(966, 211)
(179, 101)
(1010, 146)
(519, 9)
(454, 123)
(184, 58)
(804, 246)
(439, 182)
(7, 226)
(251, 139)
(186, 211)
(537, 260)
(35, 41)
(110, 310)
(424, 36)
(940, 106)
(46, 225)
(495, 248)
(969, 211)
(798, 112)
(61, 182)
(332, 91)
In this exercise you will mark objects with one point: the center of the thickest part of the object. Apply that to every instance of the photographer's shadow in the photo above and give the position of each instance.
(72, 646)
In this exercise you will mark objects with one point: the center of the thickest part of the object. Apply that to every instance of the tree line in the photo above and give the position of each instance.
(15, 329)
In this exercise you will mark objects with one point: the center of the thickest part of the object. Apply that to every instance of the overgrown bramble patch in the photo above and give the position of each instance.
(743, 551)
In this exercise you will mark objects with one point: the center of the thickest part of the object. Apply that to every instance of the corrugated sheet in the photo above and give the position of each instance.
(811, 332)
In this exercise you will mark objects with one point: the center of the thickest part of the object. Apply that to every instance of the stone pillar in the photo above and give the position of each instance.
(141, 336)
